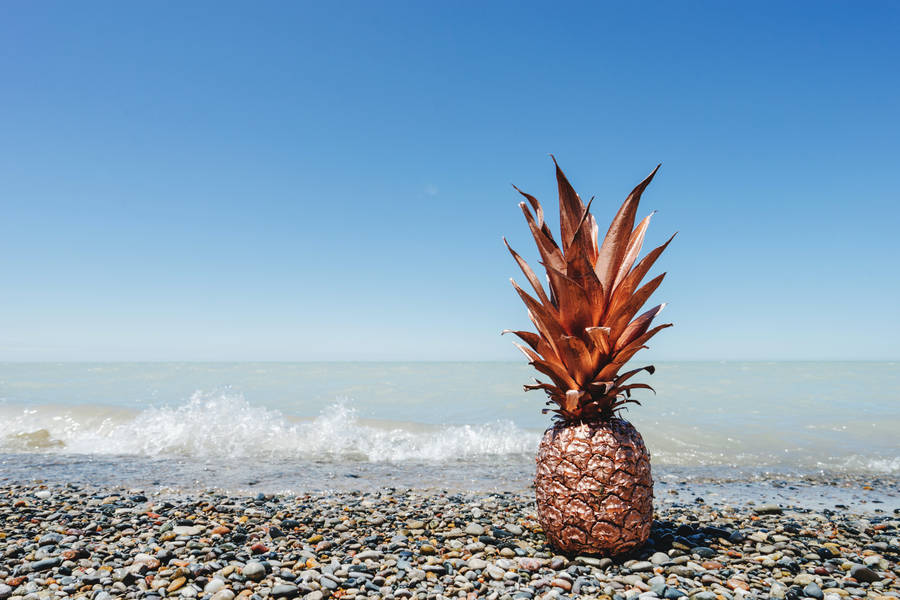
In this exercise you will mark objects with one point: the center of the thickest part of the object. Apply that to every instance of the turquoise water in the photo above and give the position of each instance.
(432, 418)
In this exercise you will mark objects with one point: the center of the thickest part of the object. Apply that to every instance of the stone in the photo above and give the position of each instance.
(187, 530)
(427, 549)
(223, 595)
(176, 584)
(474, 529)
(254, 571)
(285, 590)
(768, 509)
(44, 565)
(813, 591)
(864, 574)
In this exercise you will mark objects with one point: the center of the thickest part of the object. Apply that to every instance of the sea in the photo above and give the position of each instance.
(295, 427)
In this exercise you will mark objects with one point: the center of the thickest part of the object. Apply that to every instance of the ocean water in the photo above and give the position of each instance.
(305, 426)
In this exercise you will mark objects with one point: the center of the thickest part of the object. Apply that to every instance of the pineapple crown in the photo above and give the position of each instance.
(586, 326)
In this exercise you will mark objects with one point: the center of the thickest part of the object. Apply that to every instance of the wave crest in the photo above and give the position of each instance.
(225, 425)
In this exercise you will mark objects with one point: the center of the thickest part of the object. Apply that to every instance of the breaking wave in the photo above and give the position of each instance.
(223, 425)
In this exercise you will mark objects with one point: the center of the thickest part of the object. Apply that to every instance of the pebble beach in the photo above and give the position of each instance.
(77, 541)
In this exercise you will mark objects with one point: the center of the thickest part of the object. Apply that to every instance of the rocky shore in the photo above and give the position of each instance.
(72, 541)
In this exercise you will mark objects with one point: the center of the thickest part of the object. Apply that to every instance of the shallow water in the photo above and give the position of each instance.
(452, 424)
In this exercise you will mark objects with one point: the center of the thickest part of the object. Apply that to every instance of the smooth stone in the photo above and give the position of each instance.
(176, 584)
(43, 565)
(642, 565)
(189, 530)
(285, 590)
(254, 570)
(864, 574)
(813, 591)
(215, 584)
(673, 593)
(530, 564)
(474, 529)
(660, 558)
(223, 595)
(476, 564)
(415, 524)
(328, 584)
(768, 509)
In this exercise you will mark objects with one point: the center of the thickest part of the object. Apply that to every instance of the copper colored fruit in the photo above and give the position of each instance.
(594, 491)
(594, 488)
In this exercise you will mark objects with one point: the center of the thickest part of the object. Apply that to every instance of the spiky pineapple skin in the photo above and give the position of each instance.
(594, 487)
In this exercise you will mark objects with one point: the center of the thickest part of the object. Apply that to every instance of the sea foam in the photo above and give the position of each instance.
(226, 425)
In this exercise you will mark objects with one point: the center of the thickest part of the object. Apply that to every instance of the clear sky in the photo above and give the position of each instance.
(330, 181)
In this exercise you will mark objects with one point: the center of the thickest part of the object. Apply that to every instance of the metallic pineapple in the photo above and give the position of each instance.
(593, 484)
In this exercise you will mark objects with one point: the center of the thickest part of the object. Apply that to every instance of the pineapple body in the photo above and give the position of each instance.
(594, 488)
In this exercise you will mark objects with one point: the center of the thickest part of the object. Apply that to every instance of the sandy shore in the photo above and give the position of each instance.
(74, 541)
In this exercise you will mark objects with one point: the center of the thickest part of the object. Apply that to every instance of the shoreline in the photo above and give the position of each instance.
(857, 492)
(101, 543)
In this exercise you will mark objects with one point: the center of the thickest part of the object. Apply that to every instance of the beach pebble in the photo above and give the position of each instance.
(474, 529)
(216, 546)
(254, 570)
(285, 591)
(813, 591)
(865, 574)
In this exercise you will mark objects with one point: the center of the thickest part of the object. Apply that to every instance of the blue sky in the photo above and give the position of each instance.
(318, 181)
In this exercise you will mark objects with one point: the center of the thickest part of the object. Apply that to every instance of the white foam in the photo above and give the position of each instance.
(225, 425)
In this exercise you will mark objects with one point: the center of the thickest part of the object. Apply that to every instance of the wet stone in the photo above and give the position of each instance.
(865, 574)
(813, 591)
(474, 529)
(254, 571)
(285, 591)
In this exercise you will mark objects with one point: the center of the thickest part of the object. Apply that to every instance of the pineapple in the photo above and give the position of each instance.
(593, 484)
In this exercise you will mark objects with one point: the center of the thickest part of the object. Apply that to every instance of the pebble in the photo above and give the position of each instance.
(189, 530)
(474, 529)
(285, 590)
(861, 573)
(254, 570)
(100, 544)
(813, 591)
